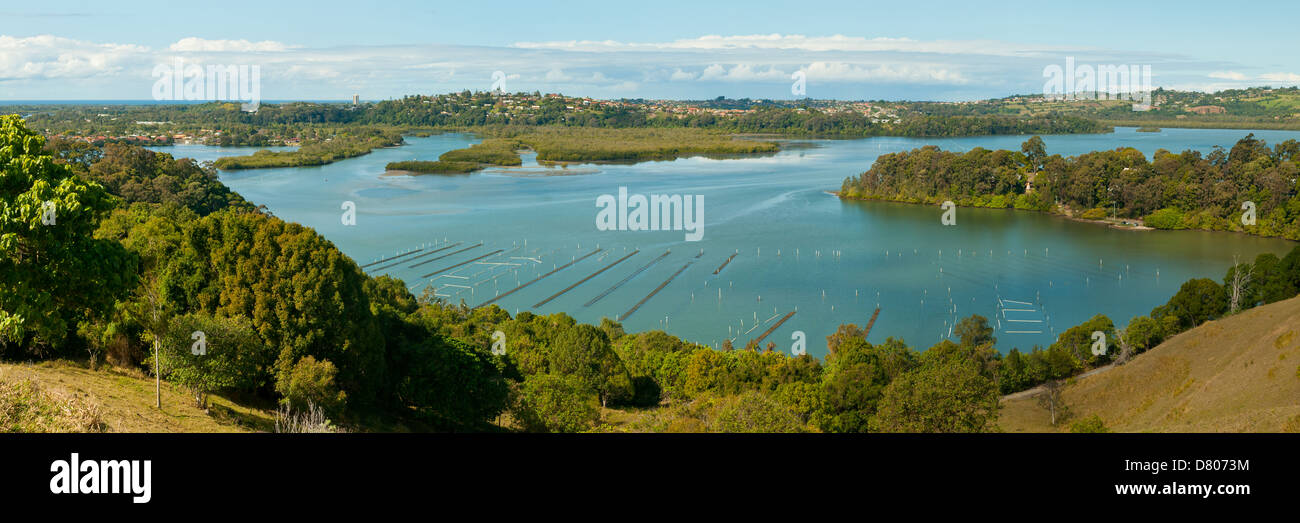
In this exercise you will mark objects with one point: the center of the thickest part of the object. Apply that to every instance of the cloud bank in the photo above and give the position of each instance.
(754, 66)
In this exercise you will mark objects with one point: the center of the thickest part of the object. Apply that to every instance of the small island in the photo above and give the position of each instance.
(564, 145)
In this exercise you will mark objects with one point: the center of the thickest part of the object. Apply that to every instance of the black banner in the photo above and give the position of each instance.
(420, 471)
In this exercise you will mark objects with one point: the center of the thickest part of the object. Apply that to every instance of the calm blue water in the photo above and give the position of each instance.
(799, 248)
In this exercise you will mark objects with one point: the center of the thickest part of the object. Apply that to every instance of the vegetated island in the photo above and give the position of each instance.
(351, 143)
(562, 145)
(1148, 129)
(1186, 190)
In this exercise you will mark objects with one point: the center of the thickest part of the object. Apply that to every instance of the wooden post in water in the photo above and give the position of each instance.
(871, 323)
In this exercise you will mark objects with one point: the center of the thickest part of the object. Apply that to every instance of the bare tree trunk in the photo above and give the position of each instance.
(1125, 348)
(1240, 279)
(157, 376)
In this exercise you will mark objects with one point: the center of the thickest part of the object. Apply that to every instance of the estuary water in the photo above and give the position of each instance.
(796, 247)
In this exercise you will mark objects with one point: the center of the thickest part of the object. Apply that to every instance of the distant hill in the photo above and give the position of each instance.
(1238, 374)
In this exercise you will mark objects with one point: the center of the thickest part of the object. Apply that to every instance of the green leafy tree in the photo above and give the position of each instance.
(950, 396)
(1142, 333)
(1078, 341)
(753, 411)
(583, 351)
(856, 375)
(974, 330)
(1197, 301)
(310, 382)
(53, 272)
(450, 383)
(559, 404)
(206, 354)
(1035, 151)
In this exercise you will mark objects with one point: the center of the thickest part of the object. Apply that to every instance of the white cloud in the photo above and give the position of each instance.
(201, 45)
(805, 43)
(47, 56)
(1281, 77)
(906, 72)
(679, 75)
(744, 65)
(556, 75)
(1228, 75)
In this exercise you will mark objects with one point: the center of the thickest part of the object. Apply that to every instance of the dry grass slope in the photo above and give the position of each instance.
(1238, 374)
(61, 396)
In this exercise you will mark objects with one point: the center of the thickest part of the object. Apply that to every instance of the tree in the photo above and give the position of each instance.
(1197, 301)
(974, 330)
(137, 174)
(301, 294)
(310, 382)
(752, 411)
(1050, 399)
(1142, 333)
(1035, 151)
(1237, 281)
(53, 271)
(559, 404)
(583, 351)
(1078, 341)
(855, 376)
(950, 396)
(205, 354)
(449, 383)
(1013, 374)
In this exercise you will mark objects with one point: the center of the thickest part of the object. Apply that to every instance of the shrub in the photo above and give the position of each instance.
(309, 383)
(1090, 424)
(1093, 214)
(231, 358)
(752, 411)
(1165, 219)
(554, 403)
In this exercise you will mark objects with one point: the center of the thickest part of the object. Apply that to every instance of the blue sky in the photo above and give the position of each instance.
(663, 49)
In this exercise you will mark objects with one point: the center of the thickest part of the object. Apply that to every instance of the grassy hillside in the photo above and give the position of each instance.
(1238, 374)
(63, 396)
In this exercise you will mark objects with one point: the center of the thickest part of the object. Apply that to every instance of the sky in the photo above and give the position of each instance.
(858, 50)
